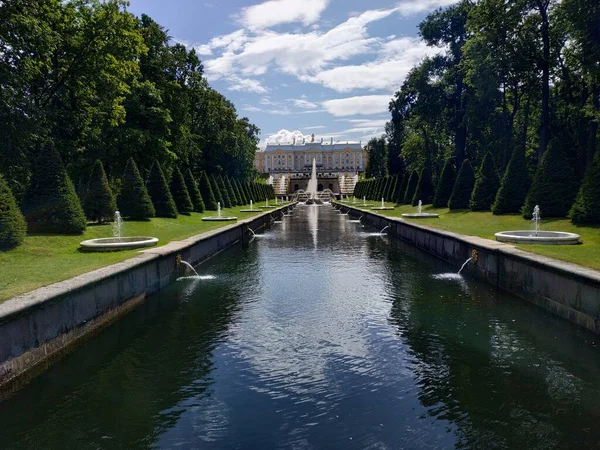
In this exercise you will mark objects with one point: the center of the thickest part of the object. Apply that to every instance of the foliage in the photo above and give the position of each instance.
(425, 189)
(99, 202)
(377, 158)
(217, 190)
(12, 222)
(206, 190)
(514, 186)
(465, 182)
(486, 186)
(241, 196)
(194, 191)
(134, 201)
(51, 204)
(163, 202)
(390, 195)
(401, 190)
(586, 209)
(232, 194)
(411, 187)
(445, 184)
(225, 194)
(180, 193)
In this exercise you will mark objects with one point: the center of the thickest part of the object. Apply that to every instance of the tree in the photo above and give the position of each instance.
(159, 193)
(134, 201)
(555, 184)
(194, 191)
(402, 189)
(486, 186)
(411, 187)
(217, 191)
(445, 184)
(223, 188)
(586, 209)
(232, 194)
(51, 204)
(514, 186)
(12, 222)
(425, 189)
(207, 193)
(99, 202)
(239, 192)
(377, 154)
(390, 195)
(180, 193)
(461, 193)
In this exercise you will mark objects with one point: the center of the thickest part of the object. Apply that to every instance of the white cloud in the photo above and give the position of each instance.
(287, 137)
(302, 103)
(245, 85)
(315, 127)
(360, 105)
(411, 7)
(251, 108)
(275, 12)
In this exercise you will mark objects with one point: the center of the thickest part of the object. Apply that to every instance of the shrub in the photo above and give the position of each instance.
(99, 201)
(162, 199)
(206, 190)
(51, 204)
(194, 191)
(217, 191)
(12, 222)
(239, 192)
(401, 190)
(134, 201)
(411, 187)
(425, 189)
(234, 199)
(554, 186)
(514, 185)
(465, 181)
(487, 183)
(227, 202)
(445, 184)
(246, 185)
(390, 195)
(586, 209)
(180, 193)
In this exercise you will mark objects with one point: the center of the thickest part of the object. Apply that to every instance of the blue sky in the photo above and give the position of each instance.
(327, 67)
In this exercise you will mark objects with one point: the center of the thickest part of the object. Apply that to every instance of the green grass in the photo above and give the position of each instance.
(485, 224)
(46, 259)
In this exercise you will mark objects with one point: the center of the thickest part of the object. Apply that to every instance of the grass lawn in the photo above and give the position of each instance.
(46, 259)
(485, 224)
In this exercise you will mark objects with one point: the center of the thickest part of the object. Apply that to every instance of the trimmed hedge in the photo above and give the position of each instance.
(12, 223)
(487, 183)
(445, 184)
(239, 192)
(232, 196)
(425, 189)
(514, 185)
(51, 204)
(401, 190)
(180, 193)
(465, 182)
(227, 202)
(134, 201)
(586, 209)
(195, 195)
(411, 187)
(206, 190)
(163, 202)
(390, 195)
(99, 201)
(217, 191)
(554, 186)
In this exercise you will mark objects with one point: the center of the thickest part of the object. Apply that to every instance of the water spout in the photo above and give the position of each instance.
(420, 207)
(252, 231)
(266, 202)
(535, 219)
(311, 189)
(382, 205)
(189, 266)
(464, 265)
(250, 204)
(383, 229)
(218, 209)
(118, 225)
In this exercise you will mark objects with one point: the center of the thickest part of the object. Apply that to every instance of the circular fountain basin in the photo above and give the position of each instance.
(420, 215)
(250, 210)
(115, 244)
(268, 207)
(541, 237)
(218, 219)
(382, 208)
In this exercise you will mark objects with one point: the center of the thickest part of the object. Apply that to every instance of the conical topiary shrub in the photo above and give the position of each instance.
(425, 190)
(248, 191)
(134, 201)
(411, 188)
(445, 184)
(465, 181)
(231, 191)
(586, 209)
(487, 183)
(514, 185)
(217, 191)
(51, 204)
(99, 201)
(391, 190)
(401, 190)
(206, 190)
(224, 192)
(194, 191)
(180, 193)
(162, 199)
(554, 186)
(240, 192)
(12, 222)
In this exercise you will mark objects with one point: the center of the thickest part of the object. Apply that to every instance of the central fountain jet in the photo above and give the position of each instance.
(311, 190)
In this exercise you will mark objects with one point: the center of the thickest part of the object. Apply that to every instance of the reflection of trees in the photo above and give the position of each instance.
(488, 364)
(122, 388)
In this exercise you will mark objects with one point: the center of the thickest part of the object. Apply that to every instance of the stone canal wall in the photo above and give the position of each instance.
(565, 289)
(40, 325)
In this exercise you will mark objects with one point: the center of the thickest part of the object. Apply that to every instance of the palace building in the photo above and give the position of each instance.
(289, 165)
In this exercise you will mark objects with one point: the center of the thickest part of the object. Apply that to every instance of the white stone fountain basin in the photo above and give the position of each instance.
(540, 237)
(114, 244)
(251, 210)
(219, 218)
(420, 215)
(382, 208)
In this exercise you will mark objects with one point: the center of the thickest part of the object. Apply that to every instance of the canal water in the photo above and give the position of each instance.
(319, 334)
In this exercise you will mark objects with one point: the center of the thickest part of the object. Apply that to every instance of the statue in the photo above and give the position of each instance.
(312, 137)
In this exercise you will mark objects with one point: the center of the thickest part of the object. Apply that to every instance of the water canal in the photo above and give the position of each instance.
(319, 334)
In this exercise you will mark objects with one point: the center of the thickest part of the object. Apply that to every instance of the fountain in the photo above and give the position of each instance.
(364, 203)
(219, 217)
(311, 190)
(251, 209)
(266, 205)
(536, 236)
(382, 207)
(117, 242)
(383, 229)
(420, 214)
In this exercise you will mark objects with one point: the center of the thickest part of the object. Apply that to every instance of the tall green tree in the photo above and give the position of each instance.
(194, 191)
(99, 202)
(180, 193)
(12, 222)
(134, 201)
(159, 193)
(377, 158)
(486, 186)
(205, 186)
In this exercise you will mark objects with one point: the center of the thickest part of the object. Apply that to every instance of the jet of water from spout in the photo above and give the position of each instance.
(188, 265)
(383, 229)
(464, 265)
(218, 209)
(118, 225)
(420, 207)
(536, 218)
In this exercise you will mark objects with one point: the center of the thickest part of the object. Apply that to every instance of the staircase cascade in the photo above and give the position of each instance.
(347, 184)
(281, 185)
